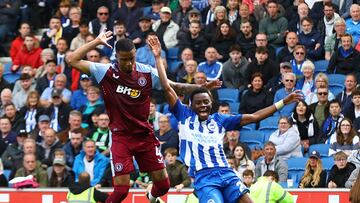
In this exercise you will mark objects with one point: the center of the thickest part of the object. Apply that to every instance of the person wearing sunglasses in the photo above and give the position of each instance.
(299, 59)
(101, 22)
(289, 80)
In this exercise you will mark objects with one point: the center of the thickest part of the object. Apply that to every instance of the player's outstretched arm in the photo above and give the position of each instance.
(75, 58)
(185, 88)
(268, 111)
(170, 94)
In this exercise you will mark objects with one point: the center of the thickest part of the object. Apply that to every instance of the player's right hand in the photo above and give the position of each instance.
(104, 37)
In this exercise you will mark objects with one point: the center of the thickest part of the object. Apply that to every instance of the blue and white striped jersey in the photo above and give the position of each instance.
(201, 143)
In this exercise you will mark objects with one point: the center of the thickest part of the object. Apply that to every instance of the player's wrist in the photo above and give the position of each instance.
(279, 105)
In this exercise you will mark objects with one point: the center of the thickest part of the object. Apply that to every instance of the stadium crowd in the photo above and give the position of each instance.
(53, 122)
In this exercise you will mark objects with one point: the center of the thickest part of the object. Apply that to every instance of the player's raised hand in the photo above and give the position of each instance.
(104, 37)
(293, 97)
(215, 84)
(154, 45)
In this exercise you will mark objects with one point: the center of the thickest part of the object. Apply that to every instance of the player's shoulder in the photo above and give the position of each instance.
(144, 68)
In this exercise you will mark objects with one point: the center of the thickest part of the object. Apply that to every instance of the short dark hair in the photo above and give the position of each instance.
(248, 172)
(257, 74)
(199, 91)
(84, 22)
(224, 104)
(272, 174)
(272, 1)
(235, 47)
(119, 23)
(355, 92)
(308, 19)
(262, 50)
(124, 44)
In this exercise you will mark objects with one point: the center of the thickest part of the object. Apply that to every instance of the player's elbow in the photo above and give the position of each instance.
(70, 59)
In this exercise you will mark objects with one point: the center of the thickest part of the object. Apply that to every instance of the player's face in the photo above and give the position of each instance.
(126, 60)
(202, 105)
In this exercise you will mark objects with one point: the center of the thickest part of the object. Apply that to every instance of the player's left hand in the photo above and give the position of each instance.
(154, 45)
(215, 84)
(293, 97)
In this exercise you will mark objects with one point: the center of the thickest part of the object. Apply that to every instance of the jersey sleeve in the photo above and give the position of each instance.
(147, 69)
(98, 70)
(229, 122)
(180, 111)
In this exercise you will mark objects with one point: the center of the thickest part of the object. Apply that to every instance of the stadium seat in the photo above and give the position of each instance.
(173, 65)
(252, 138)
(321, 66)
(269, 125)
(234, 107)
(7, 67)
(7, 174)
(146, 9)
(336, 89)
(172, 53)
(323, 149)
(251, 126)
(11, 77)
(277, 50)
(296, 169)
(336, 79)
(327, 163)
(228, 95)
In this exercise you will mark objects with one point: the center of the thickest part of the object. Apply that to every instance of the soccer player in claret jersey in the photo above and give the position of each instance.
(201, 136)
(126, 87)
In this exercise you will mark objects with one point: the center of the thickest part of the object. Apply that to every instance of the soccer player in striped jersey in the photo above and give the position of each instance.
(201, 135)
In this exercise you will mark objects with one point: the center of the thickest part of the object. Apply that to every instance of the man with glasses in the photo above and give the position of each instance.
(261, 41)
(289, 80)
(102, 22)
(101, 134)
(341, 171)
(60, 86)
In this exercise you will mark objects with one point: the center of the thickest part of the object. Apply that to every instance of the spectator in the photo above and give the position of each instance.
(262, 64)
(314, 176)
(49, 143)
(287, 52)
(17, 43)
(31, 111)
(211, 67)
(74, 26)
(29, 71)
(275, 83)
(261, 41)
(143, 54)
(8, 17)
(246, 37)
(232, 140)
(60, 51)
(319, 108)
(332, 122)
(74, 146)
(178, 173)
(289, 80)
(89, 8)
(274, 25)
(180, 14)
(248, 177)
(102, 22)
(193, 15)
(14, 151)
(91, 161)
(46, 55)
(101, 134)
(311, 39)
(47, 81)
(195, 40)
(5, 98)
(344, 7)
(17, 122)
(190, 68)
(243, 162)
(234, 69)
(59, 88)
(224, 37)
(79, 98)
(340, 172)
(355, 158)
(224, 108)
(94, 104)
(60, 176)
(43, 123)
(63, 12)
(139, 35)
(74, 122)
(256, 97)
(166, 29)
(154, 12)
(295, 21)
(130, 12)
(299, 59)
(7, 134)
(352, 180)
(352, 24)
(52, 34)
(28, 55)
(30, 167)
(327, 24)
(286, 140)
(20, 97)
(245, 16)
(321, 81)
(3, 83)
(220, 14)
(167, 136)
(271, 162)
(274, 192)
(306, 83)
(345, 96)
(186, 55)
(79, 39)
(346, 139)
(353, 111)
(58, 111)
(333, 42)
(304, 121)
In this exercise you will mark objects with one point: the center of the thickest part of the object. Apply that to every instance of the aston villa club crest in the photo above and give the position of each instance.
(142, 81)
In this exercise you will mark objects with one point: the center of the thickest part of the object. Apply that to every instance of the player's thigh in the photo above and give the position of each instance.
(121, 179)
(158, 175)
(210, 195)
(149, 157)
(121, 158)
(234, 189)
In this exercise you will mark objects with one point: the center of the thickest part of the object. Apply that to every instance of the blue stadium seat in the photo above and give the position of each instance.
(234, 107)
(336, 89)
(269, 125)
(228, 95)
(277, 50)
(327, 163)
(251, 126)
(172, 53)
(7, 67)
(336, 79)
(11, 77)
(173, 65)
(146, 9)
(323, 149)
(252, 137)
(7, 174)
(321, 66)
(296, 169)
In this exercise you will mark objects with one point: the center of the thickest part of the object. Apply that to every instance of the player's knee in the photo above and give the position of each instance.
(162, 186)
(119, 194)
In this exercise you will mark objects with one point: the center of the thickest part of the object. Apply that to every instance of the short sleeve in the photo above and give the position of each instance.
(98, 70)
(180, 111)
(229, 122)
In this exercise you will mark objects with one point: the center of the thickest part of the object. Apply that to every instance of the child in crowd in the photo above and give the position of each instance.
(248, 177)
(177, 171)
